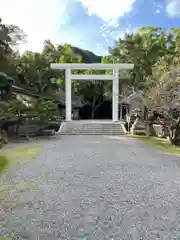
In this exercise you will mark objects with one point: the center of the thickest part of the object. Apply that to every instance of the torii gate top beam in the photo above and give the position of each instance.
(91, 66)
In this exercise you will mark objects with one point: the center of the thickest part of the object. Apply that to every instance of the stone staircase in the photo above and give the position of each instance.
(91, 127)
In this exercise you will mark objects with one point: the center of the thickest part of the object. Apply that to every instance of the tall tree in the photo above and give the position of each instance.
(10, 37)
(143, 48)
(52, 53)
(35, 68)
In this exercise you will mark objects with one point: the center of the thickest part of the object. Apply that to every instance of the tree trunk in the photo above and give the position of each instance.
(4, 136)
(26, 130)
(174, 135)
(93, 106)
(150, 129)
(18, 127)
(151, 117)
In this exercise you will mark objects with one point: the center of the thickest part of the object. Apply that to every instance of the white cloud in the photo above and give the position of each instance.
(157, 11)
(158, 7)
(110, 36)
(41, 19)
(108, 10)
(173, 8)
(116, 33)
(38, 18)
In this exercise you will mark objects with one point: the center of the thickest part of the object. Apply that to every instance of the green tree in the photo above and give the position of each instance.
(10, 37)
(35, 68)
(46, 110)
(52, 53)
(143, 48)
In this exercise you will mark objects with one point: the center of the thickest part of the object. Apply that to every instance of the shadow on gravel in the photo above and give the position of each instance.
(159, 143)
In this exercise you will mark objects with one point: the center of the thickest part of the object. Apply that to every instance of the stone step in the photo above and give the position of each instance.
(92, 133)
(92, 128)
(89, 128)
(96, 128)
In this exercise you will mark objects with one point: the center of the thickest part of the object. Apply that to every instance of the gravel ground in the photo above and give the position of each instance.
(96, 188)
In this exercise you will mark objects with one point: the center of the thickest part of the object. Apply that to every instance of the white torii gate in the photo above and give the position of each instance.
(114, 77)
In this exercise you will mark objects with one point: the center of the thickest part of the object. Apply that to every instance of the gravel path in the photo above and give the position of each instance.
(97, 188)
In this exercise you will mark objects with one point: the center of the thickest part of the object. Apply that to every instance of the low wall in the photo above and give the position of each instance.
(159, 130)
(140, 128)
(31, 128)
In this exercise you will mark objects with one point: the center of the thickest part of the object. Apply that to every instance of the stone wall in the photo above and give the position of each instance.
(32, 128)
(159, 130)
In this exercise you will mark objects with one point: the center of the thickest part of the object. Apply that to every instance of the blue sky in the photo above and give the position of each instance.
(89, 24)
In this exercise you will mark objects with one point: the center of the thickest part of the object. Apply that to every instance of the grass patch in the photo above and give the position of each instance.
(5, 238)
(12, 204)
(160, 143)
(24, 153)
(4, 163)
(8, 204)
(21, 187)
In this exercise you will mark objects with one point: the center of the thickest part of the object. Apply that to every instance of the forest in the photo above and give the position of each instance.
(155, 53)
